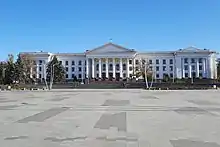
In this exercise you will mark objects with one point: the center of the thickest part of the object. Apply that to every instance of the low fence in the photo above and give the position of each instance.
(117, 85)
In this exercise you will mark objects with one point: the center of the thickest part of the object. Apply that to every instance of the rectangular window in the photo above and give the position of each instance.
(130, 68)
(200, 74)
(164, 61)
(73, 75)
(40, 76)
(60, 62)
(157, 75)
(193, 74)
(130, 61)
(110, 67)
(200, 60)
(150, 62)
(192, 60)
(85, 62)
(164, 68)
(171, 61)
(124, 66)
(40, 62)
(40, 68)
(73, 69)
(171, 75)
(186, 67)
(185, 60)
(151, 68)
(130, 75)
(73, 62)
(67, 76)
(157, 61)
(80, 62)
(200, 67)
(67, 63)
(171, 68)
(157, 68)
(67, 69)
(80, 69)
(193, 67)
(165, 75)
(186, 75)
(124, 75)
(136, 62)
(80, 76)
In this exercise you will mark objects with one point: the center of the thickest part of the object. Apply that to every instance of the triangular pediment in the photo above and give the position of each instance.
(192, 49)
(109, 48)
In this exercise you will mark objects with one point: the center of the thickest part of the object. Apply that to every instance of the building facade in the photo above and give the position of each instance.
(112, 61)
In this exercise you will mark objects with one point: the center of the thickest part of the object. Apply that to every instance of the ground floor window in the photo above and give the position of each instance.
(171, 75)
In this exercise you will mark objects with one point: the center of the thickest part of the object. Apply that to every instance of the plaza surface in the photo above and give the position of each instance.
(110, 118)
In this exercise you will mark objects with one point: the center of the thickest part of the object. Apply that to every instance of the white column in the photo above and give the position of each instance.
(127, 66)
(106, 67)
(134, 67)
(82, 73)
(197, 67)
(121, 68)
(204, 67)
(100, 68)
(38, 72)
(31, 72)
(190, 70)
(93, 68)
(113, 59)
(183, 68)
(87, 68)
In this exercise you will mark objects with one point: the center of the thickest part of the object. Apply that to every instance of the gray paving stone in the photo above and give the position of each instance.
(40, 117)
(192, 143)
(116, 103)
(117, 120)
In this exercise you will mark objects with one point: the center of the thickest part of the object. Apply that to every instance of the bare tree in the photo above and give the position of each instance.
(144, 70)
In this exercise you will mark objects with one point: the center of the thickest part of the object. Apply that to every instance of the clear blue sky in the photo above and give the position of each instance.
(77, 25)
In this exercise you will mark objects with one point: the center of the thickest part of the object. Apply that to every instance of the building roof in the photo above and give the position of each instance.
(110, 44)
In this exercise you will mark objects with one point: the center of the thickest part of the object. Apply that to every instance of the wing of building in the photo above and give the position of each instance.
(112, 61)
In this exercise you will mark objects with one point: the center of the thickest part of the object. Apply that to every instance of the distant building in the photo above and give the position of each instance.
(114, 61)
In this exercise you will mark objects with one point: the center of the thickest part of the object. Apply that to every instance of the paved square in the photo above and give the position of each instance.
(110, 118)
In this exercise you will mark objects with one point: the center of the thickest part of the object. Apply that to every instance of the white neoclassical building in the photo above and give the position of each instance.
(111, 61)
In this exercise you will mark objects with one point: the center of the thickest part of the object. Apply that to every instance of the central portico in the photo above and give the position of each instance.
(109, 61)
